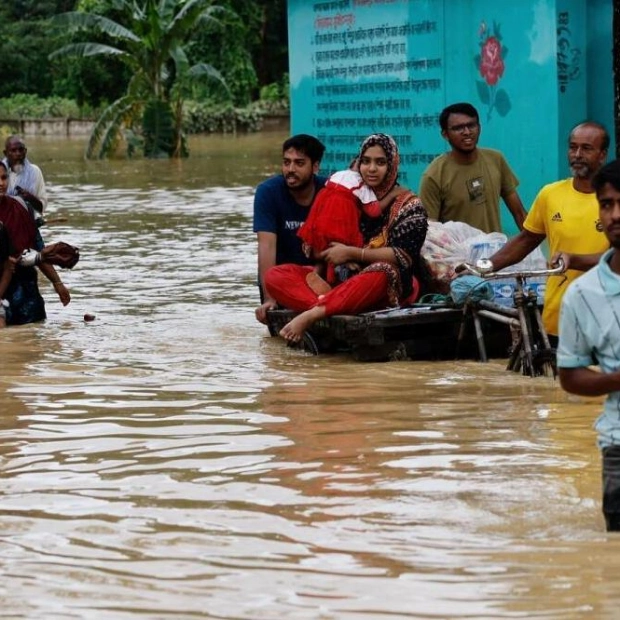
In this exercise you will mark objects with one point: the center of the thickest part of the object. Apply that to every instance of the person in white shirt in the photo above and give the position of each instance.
(25, 178)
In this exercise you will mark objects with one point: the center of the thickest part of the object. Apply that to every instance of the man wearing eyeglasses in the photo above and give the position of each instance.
(466, 183)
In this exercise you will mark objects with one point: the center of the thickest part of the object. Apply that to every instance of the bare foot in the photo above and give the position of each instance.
(317, 284)
(295, 329)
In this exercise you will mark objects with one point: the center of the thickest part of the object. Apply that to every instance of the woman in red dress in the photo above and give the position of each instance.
(336, 212)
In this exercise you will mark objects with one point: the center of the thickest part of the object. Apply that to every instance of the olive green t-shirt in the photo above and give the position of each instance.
(467, 193)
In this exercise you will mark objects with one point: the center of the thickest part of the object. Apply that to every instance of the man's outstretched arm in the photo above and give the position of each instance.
(586, 381)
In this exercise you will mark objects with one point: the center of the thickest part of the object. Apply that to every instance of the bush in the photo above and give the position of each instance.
(274, 97)
(198, 117)
(32, 106)
(210, 118)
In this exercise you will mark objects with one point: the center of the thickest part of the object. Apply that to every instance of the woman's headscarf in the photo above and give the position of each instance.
(393, 160)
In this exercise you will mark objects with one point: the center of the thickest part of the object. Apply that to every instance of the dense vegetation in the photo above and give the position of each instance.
(244, 44)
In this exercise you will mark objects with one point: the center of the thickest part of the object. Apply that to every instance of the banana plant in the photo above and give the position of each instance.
(150, 42)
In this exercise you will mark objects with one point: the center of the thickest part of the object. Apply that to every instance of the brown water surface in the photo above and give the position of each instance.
(170, 460)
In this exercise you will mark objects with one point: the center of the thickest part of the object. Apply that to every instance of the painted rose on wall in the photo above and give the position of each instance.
(491, 66)
(491, 61)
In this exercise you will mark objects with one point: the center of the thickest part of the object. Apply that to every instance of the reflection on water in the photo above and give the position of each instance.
(169, 460)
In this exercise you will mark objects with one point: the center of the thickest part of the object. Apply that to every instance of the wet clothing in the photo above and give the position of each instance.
(611, 488)
(5, 252)
(468, 193)
(5, 244)
(590, 325)
(570, 221)
(590, 335)
(26, 305)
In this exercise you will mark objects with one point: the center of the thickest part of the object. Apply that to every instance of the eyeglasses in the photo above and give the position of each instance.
(464, 126)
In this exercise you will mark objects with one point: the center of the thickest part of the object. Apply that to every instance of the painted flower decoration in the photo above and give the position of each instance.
(491, 62)
(491, 66)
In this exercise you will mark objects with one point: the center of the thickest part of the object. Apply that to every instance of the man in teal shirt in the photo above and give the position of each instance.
(590, 335)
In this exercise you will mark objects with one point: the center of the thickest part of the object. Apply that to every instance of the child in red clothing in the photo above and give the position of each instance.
(335, 214)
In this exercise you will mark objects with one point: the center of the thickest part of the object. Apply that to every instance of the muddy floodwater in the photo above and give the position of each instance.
(170, 460)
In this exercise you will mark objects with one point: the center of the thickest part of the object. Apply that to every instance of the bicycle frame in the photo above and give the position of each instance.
(531, 352)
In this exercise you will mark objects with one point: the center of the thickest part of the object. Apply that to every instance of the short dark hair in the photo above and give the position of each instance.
(457, 108)
(599, 126)
(609, 173)
(306, 144)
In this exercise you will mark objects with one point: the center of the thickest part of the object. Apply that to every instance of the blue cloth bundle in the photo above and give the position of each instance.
(470, 287)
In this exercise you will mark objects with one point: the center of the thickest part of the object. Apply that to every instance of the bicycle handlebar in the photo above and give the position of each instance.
(524, 273)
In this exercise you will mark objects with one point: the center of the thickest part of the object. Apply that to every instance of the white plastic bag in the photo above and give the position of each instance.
(485, 245)
(535, 260)
(451, 243)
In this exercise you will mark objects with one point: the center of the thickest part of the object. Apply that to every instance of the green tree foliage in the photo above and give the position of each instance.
(90, 82)
(251, 51)
(149, 38)
(25, 43)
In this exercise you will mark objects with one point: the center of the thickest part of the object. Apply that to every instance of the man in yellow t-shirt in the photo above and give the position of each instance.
(567, 214)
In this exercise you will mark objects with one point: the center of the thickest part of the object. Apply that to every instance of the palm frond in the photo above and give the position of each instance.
(76, 20)
(81, 50)
(191, 14)
(179, 57)
(202, 70)
(109, 123)
(138, 85)
(209, 17)
(166, 10)
(112, 136)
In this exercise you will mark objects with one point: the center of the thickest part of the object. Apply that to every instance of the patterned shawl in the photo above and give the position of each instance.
(403, 228)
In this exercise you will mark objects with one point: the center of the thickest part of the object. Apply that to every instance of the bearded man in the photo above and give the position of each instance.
(566, 213)
(281, 206)
(25, 178)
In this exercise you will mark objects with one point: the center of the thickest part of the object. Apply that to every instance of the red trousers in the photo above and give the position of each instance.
(364, 292)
